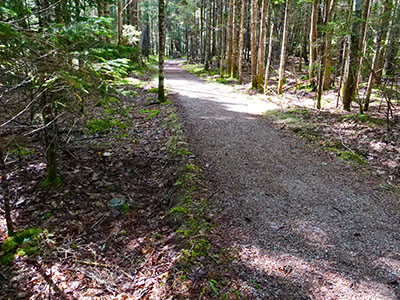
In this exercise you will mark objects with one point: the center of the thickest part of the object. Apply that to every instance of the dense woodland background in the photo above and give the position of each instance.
(68, 66)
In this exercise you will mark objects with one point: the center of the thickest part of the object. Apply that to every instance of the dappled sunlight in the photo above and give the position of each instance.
(297, 222)
(326, 280)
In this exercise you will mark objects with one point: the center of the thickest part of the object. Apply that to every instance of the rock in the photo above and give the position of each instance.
(115, 203)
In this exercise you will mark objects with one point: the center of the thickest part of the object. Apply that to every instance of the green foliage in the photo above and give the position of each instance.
(153, 90)
(48, 182)
(371, 121)
(23, 244)
(151, 113)
(125, 208)
(47, 216)
(221, 80)
(104, 125)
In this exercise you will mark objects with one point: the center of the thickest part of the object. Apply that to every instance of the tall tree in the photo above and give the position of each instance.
(349, 86)
(234, 38)
(392, 57)
(254, 79)
(261, 48)
(378, 60)
(229, 39)
(284, 48)
(161, 52)
(241, 39)
(269, 59)
(328, 46)
(313, 42)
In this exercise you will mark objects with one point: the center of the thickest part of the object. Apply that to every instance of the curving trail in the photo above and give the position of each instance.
(305, 226)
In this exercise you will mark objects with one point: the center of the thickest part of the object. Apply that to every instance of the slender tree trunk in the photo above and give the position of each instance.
(254, 6)
(6, 194)
(161, 53)
(313, 42)
(107, 14)
(214, 25)
(208, 35)
(234, 39)
(139, 28)
(261, 49)
(119, 21)
(328, 47)
(394, 43)
(222, 40)
(241, 39)
(322, 52)
(377, 63)
(201, 31)
(363, 35)
(229, 39)
(271, 40)
(283, 50)
(349, 92)
(50, 136)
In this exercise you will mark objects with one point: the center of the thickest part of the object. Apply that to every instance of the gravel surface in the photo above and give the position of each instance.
(304, 225)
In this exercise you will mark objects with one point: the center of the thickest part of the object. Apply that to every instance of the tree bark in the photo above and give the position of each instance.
(313, 42)
(394, 43)
(119, 21)
(328, 47)
(222, 40)
(261, 50)
(241, 39)
(284, 48)
(234, 39)
(271, 39)
(229, 39)
(349, 88)
(161, 52)
(6, 194)
(378, 60)
(254, 81)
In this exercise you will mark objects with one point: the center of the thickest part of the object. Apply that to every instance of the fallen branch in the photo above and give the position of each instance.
(107, 266)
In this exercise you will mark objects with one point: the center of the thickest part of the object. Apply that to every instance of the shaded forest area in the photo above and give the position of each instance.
(94, 164)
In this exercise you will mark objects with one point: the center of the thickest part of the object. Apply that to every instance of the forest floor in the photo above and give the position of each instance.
(300, 222)
(110, 231)
(248, 199)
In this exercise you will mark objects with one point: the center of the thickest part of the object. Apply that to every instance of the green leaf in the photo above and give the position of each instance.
(213, 287)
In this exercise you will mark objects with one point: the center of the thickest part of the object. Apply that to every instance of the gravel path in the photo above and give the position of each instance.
(305, 226)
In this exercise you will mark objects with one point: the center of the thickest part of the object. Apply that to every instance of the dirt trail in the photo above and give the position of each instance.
(305, 226)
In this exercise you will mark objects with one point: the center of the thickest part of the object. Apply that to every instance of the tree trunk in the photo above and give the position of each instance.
(50, 136)
(222, 40)
(313, 42)
(394, 43)
(161, 52)
(363, 35)
(229, 39)
(208, 35)
(119, 21)
(349, 87)
(234, 39)
(377, 63)
(241, 39)
(261, 50)
(328, 46)
(6, 194)
(271, 39)
(322, 53)
(254, 6)
(283, 50)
